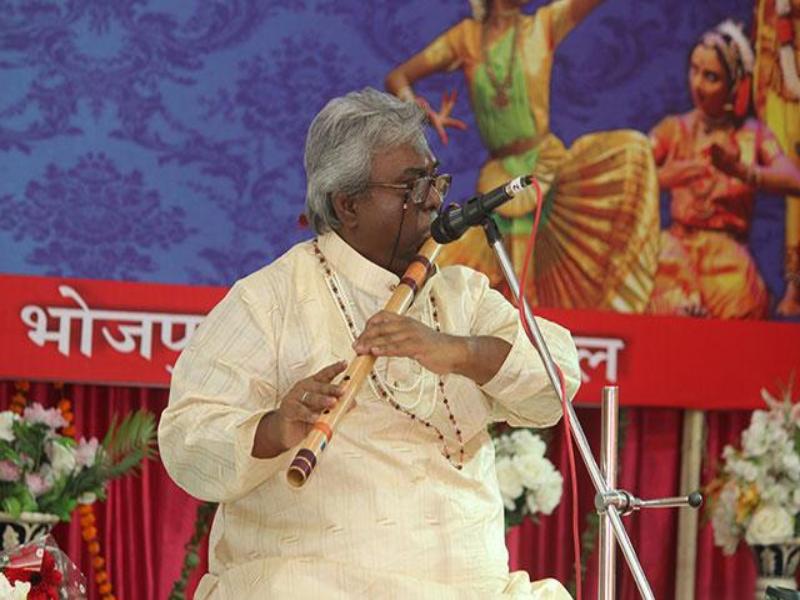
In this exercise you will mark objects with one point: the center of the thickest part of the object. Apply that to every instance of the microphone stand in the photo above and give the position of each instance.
(610, 503)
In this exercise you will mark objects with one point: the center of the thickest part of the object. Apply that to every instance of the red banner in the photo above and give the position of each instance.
(96, 331)
(131, 333)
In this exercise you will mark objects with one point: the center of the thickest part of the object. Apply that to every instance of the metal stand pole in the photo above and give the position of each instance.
(610, 503)
(609, 412)
(692, 446)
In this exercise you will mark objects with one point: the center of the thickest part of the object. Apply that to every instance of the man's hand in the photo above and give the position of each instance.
(388, 334)
(289, 424)
(476, 357)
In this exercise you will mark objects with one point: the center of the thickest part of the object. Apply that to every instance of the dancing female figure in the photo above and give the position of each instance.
(597, 243)
(713, 160)
(776, 81)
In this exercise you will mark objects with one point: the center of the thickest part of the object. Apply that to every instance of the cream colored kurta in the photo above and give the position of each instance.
(384, 515)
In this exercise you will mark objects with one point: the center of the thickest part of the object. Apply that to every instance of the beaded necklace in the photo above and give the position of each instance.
(379, 387)
(340, 293)
(501, 88)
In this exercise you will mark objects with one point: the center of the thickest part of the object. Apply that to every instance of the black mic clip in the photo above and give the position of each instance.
(454, 221)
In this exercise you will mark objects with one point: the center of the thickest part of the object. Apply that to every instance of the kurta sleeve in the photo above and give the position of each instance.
(222, 385)
(521, 390)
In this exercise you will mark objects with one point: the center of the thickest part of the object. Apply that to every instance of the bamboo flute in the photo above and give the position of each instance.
(310, 449)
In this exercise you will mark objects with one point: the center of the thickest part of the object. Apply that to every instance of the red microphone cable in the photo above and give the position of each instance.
(576, 544)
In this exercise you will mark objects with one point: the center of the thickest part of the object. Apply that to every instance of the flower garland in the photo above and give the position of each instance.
(87, 516)
(65, 407)
(191, 558)
(89, 535)
(20, 398)
(86, 512)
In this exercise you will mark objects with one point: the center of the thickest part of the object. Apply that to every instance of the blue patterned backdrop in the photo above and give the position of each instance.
(162, 141)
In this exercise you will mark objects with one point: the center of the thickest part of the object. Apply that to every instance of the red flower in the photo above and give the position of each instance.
(44, 583)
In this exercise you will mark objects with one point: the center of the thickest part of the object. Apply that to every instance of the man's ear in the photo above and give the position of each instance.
(346, 209)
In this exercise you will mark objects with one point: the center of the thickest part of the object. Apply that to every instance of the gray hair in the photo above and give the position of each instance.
(342, 140)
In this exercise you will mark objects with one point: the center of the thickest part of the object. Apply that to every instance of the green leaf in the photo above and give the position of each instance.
(797, 525)
(28, 501)
(30, 439)
(126, 445)
(12, 506)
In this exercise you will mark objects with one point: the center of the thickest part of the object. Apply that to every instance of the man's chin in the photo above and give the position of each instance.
(423, 237)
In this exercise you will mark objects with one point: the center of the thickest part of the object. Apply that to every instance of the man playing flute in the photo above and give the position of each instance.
(405, 501)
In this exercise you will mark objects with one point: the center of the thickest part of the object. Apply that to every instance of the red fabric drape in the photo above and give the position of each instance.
(147, 519)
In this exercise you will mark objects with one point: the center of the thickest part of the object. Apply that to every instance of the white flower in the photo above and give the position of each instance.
(548, 493)
(530, 502)
(19, 591)
(527, 443)
(531, 468)
(61, 458)
(725, 536)
(791, 462)
(509, 481)
(723, 519)
(728, 452)
(743, 469)
(771, 524)
(503, 445)
(7, 419)
(774, 494)
(755, 439)
(523, 469)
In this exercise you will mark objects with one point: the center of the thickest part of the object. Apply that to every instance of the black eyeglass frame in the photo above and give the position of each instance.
(418, 190)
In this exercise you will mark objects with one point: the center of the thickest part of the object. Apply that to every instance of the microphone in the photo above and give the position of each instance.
(455, 220)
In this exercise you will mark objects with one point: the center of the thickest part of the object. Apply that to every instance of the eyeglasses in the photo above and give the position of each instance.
(418, 190)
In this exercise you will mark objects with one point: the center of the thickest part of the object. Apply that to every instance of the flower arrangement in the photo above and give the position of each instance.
(529, 483)
(756, 494)
(42, 470)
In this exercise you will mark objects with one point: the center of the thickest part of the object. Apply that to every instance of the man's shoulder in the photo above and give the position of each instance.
(281, 272)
